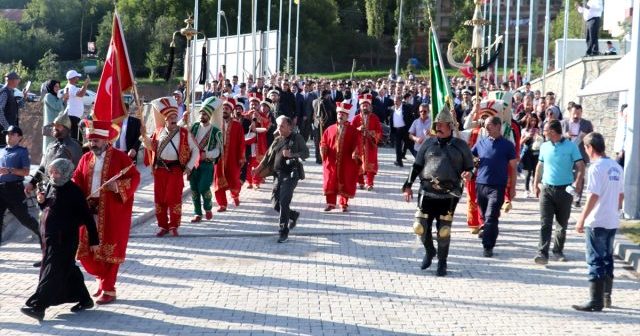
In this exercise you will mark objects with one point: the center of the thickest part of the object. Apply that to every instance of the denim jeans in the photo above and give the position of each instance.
(490, 199)
(554, 201)
(599, 252)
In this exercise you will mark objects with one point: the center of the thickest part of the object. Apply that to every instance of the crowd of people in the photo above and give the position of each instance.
(249, 131)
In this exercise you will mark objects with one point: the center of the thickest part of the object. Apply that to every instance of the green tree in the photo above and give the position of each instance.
(375, 17)
(13, 4)
(48, 67)
(157, 55)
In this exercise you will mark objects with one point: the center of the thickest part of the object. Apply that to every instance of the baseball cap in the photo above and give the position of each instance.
(13, 129)
(12, 75)
(73, 74)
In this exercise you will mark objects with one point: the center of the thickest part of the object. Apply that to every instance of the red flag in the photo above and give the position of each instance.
(116, 78)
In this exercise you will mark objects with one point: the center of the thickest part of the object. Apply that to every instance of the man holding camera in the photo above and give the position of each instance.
(283, 160)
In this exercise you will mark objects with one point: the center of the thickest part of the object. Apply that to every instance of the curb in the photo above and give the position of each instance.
(628, 251)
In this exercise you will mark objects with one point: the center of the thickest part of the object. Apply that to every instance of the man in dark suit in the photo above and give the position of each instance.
(400, 120)
(129, 140)
(381, 105)
(336, 95)
(575, 129)
(306, 110)
(324, 115)
(287, 102)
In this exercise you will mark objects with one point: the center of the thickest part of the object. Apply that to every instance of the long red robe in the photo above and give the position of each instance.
(227, 171)
(370, 135)
(114, 213)
(261, 147)
(340, 170)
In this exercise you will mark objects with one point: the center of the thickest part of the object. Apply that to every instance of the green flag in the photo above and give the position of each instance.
(440, 86)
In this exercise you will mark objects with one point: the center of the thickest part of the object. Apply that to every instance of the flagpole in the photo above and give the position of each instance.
(484, 29)
(505, 70)
(497, 71)
(530, 39)
(254, 9)
(490, 30)
(545, 56)
(297, 36)
(217, 38)
(266, 54)
(238, 42)
(516, 45)
(561, 101)
(192, 93)
(289, 39)
(279, 50)
(399, 45)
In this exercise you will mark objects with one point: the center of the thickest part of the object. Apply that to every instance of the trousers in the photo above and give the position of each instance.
(12, 198)
(281, 196)
(200, 182)
(167, 192)
(490, 199)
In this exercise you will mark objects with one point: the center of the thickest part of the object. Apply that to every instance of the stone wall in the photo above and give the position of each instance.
(601, 109)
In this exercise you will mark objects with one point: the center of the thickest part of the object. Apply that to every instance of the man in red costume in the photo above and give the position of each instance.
(340, 148)
(171, 152)
(257, 140)
(111, 204)
(227, 172)
(370, 130)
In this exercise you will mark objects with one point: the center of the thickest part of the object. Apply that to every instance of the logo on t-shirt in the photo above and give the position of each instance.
(614, 174)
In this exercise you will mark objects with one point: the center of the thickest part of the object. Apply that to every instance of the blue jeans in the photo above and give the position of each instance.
(490, 199)
(599, 252)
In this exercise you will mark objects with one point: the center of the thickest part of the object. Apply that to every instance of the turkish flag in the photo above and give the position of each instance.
(116, 78)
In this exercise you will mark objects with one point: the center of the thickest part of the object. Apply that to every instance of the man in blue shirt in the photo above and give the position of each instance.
(497, 156)
(558, 158)
(14, 166)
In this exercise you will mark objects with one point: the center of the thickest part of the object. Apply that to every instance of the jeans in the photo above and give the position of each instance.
(281, 196)
(490, 199)
(554, 201)
(599, 252)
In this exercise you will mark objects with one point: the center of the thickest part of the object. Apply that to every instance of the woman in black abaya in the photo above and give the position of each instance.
(64, 210)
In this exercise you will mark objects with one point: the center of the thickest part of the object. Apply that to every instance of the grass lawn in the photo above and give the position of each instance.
(631, 229)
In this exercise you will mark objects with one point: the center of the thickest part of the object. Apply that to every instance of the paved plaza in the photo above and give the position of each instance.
(354, 273)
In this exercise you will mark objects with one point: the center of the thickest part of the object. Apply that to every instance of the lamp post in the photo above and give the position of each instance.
(399, 45)
(226, 34)
(189, 33)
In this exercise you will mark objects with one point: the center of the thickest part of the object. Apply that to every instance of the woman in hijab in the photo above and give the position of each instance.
(52, 106)
(64, 210)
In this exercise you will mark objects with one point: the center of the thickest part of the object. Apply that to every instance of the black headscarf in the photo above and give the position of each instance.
(50, 84)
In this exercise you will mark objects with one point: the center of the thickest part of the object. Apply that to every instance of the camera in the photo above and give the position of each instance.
(254, 119)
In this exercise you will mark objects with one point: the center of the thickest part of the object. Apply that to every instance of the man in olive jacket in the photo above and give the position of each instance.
(283, 160)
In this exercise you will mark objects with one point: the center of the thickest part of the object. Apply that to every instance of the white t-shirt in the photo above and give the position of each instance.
(75, 107)
(605, 180)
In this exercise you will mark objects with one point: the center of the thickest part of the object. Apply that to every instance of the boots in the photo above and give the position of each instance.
(596, 289)
(608, 286)
(443, 253)
(427, 241)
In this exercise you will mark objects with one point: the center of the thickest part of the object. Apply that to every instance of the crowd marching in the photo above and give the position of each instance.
(247, 132)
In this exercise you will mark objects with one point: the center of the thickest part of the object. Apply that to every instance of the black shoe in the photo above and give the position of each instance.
(426, 261)
(37, 264)
(36, 313)
(398, 163)
(596, 290)
(395, 163)
(541, 259)
(559, 256)
(319, 162)
(442, 269)
(294, 219)
(283, 237)
(82, 306)
(488, 253)
(576, 204)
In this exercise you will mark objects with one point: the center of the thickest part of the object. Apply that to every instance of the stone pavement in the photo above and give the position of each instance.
(339, 274)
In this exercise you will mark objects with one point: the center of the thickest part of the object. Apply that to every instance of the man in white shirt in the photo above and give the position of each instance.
(75, 106)
(172, 152)
(421, 127)
(599, 221)
(591, 12)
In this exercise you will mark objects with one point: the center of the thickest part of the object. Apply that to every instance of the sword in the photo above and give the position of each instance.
(115, 177)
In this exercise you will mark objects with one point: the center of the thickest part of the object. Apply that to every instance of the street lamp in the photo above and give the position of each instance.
(189, 33)
(226, 35)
